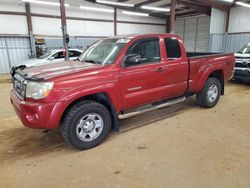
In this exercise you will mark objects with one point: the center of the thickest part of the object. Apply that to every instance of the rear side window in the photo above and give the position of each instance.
(173, 48)
(59, 55)
(73, 53)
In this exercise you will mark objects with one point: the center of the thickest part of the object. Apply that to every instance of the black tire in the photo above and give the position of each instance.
(75, 114)
(202, 97)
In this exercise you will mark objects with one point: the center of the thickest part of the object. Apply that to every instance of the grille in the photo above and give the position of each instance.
(242, 58)
(241, 65)
(19, 86)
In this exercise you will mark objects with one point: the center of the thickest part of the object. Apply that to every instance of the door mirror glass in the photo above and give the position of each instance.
(132, 59)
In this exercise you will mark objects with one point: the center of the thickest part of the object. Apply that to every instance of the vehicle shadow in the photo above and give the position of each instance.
(22, 142)
(157, 115)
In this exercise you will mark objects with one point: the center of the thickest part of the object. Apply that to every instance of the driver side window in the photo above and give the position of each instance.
(148, 49)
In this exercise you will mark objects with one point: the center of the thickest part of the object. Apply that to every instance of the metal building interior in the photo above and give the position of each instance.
(178, 146)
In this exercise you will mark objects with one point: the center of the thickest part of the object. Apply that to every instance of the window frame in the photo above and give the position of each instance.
(139, 41)
(172, 59)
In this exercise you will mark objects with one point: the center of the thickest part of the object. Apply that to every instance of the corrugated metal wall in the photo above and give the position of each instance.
(194, 32)
(80, 43)
(217, 21)
(13, 50)
(230, 42)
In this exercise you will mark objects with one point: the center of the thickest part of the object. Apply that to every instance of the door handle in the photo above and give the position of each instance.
(160, 69)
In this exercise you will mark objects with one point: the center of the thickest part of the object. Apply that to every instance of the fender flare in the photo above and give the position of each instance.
(206, 75)
(106, 93)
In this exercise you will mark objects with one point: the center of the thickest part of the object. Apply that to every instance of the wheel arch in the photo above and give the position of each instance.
(218, 73)
(102, 98)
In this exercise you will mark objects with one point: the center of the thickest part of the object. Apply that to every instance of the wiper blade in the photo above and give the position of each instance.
(92, 61)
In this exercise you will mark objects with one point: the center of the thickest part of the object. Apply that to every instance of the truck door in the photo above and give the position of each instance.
(143, 82)
(177, 68)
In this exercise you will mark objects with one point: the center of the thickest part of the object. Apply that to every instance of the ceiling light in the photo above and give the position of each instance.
(135, 13)
(115, 3)
(156, 8)
(45, 3)
(243, 4)
(97, 9)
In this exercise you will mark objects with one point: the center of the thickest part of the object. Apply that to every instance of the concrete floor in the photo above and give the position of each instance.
(181, 146)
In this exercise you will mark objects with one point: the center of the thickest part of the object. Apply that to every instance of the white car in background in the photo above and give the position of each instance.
(53, 56)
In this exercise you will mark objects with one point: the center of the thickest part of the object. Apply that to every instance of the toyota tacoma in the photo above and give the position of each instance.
(113, 79)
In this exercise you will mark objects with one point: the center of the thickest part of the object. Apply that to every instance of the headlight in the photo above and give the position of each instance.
(38, 90)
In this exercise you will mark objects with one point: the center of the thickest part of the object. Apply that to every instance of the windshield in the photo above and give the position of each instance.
(245, 50)
(103, 52)
(45, 56)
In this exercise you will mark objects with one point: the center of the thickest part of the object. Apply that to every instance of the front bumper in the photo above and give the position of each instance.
(35, 114)
(242, 74)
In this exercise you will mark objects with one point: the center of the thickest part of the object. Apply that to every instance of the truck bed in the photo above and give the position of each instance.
(202, 62)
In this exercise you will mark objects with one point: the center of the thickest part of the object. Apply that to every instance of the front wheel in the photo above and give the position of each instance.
(86, 124)
(210, 94)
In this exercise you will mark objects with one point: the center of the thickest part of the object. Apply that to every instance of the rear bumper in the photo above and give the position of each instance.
(37, 115)
(242, 74)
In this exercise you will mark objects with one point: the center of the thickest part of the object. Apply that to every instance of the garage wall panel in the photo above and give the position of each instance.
(12, 24)
(236, 41)
(13, 50)
(216, 43)
(80, 43)
(195, 32)
(180, 27)
(202, 37)
(99, 29)
(230, 42)
(124, 17)
(77, 12)
(51, 10)
(139, 28)
(11, 6)
(46, 26)
(4, 62)
(190, 34)
(239, 20)
(217, 21)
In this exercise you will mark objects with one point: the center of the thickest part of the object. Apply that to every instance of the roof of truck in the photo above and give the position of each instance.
(131, 36)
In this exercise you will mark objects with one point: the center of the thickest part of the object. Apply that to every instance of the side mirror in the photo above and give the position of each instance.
(51, 58)
(132, 59)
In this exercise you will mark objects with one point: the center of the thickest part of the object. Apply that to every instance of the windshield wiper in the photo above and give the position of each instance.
(92, 61)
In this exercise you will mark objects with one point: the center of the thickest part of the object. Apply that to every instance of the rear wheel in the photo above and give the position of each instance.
(86, 124)
(210, 94)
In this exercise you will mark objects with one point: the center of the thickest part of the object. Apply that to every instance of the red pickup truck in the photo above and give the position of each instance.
(116, 78)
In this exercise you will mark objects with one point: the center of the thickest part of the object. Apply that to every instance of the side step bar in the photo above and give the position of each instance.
(154, 107)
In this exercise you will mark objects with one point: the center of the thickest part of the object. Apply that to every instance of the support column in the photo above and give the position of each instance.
(30, 31)
(227, 21)
(115, 21)
(171, 23)
(64, 29)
